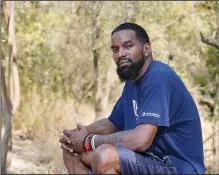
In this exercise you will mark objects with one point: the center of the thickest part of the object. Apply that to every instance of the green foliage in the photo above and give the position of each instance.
(37, 64)
(212, 62)
(55, 42)
(201, 80)
(208, 80)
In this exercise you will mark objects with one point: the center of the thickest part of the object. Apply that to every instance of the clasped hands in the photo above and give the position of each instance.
(72, 140)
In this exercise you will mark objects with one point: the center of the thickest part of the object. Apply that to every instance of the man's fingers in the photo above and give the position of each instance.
(62, 140)
(65, 139)
(75, 154)
(64, 147)
(67, 132)
(71, 153)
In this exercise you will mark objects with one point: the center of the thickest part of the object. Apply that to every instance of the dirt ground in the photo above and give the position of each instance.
(34, 157)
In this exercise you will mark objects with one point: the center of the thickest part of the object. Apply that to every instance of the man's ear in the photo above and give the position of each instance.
(147, 49)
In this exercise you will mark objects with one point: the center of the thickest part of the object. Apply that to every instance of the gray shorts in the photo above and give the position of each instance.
(143, 163)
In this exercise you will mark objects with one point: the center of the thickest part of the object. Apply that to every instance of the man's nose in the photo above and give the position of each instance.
(122, 53)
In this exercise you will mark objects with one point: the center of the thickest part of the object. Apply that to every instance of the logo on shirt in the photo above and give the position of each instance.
(151, 114)
(135, 107)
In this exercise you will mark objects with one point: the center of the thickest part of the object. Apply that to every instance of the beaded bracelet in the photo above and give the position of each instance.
(85, 140)
(87, 144)
(92, 142)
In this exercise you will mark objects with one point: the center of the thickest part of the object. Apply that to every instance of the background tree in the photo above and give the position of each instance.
(211, 78)
(12, 96)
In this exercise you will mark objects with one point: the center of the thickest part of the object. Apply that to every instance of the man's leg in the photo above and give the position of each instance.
(74, 164)
(105, 160)
(132, 162)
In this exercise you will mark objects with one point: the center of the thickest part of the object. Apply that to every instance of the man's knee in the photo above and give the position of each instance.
(105, 157)
(102, 153)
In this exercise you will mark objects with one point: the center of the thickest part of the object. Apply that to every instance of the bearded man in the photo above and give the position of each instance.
(154, 127)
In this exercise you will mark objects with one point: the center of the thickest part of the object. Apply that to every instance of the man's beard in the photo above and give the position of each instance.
(130, 72)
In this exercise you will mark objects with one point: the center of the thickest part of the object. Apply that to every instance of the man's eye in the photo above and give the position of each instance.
(128, 46)
(115, 50)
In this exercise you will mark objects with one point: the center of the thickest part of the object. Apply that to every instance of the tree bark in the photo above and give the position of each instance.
(217, 89)
(8, 124)
(132, 8)
(12, 97)
(1, 100)
(13, 75)
(96, 55)
(210, 42)
(103, 99)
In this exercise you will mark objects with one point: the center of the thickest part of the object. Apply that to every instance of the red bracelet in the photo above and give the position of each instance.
(87, 145)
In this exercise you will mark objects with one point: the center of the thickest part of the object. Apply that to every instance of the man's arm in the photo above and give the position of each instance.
(102, 127)
(138, 139)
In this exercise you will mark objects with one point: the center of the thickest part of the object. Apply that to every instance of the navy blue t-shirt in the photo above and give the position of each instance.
(160, 98)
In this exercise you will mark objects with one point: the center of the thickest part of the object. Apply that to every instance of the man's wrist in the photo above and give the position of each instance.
(87, 143)
(88, 129)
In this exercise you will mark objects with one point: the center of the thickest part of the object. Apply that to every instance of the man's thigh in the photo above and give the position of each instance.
(143, 163)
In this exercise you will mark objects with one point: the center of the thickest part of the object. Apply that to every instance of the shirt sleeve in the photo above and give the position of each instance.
(117, 115)
(156, 105)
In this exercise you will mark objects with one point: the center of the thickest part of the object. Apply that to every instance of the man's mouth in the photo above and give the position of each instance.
(124, 63)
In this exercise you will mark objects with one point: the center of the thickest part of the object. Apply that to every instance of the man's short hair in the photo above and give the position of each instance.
(140, 33)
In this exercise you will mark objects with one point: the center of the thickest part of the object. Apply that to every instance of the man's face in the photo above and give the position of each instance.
(127, 54)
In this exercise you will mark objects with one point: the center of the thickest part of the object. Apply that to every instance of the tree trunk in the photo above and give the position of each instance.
(103, 97)
(96, 55)
(12, 97)
(13, 76)
(8, 124)
(1, 100)
(131, 10)
(217, 90)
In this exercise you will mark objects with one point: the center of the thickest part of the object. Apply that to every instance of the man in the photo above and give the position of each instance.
(154, 127)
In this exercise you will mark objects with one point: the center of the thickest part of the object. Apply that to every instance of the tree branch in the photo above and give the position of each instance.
(212, 135)
(209, 42)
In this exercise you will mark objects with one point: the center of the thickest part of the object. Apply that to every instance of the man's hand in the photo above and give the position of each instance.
(73, 139)
(66, 141)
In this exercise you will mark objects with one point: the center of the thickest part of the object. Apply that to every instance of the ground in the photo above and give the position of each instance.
(32, 156)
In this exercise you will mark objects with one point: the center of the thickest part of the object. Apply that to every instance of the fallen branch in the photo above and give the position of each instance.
(209, 42)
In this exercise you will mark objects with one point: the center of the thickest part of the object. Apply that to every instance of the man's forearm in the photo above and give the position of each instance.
(128, 139)
(101, 127)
